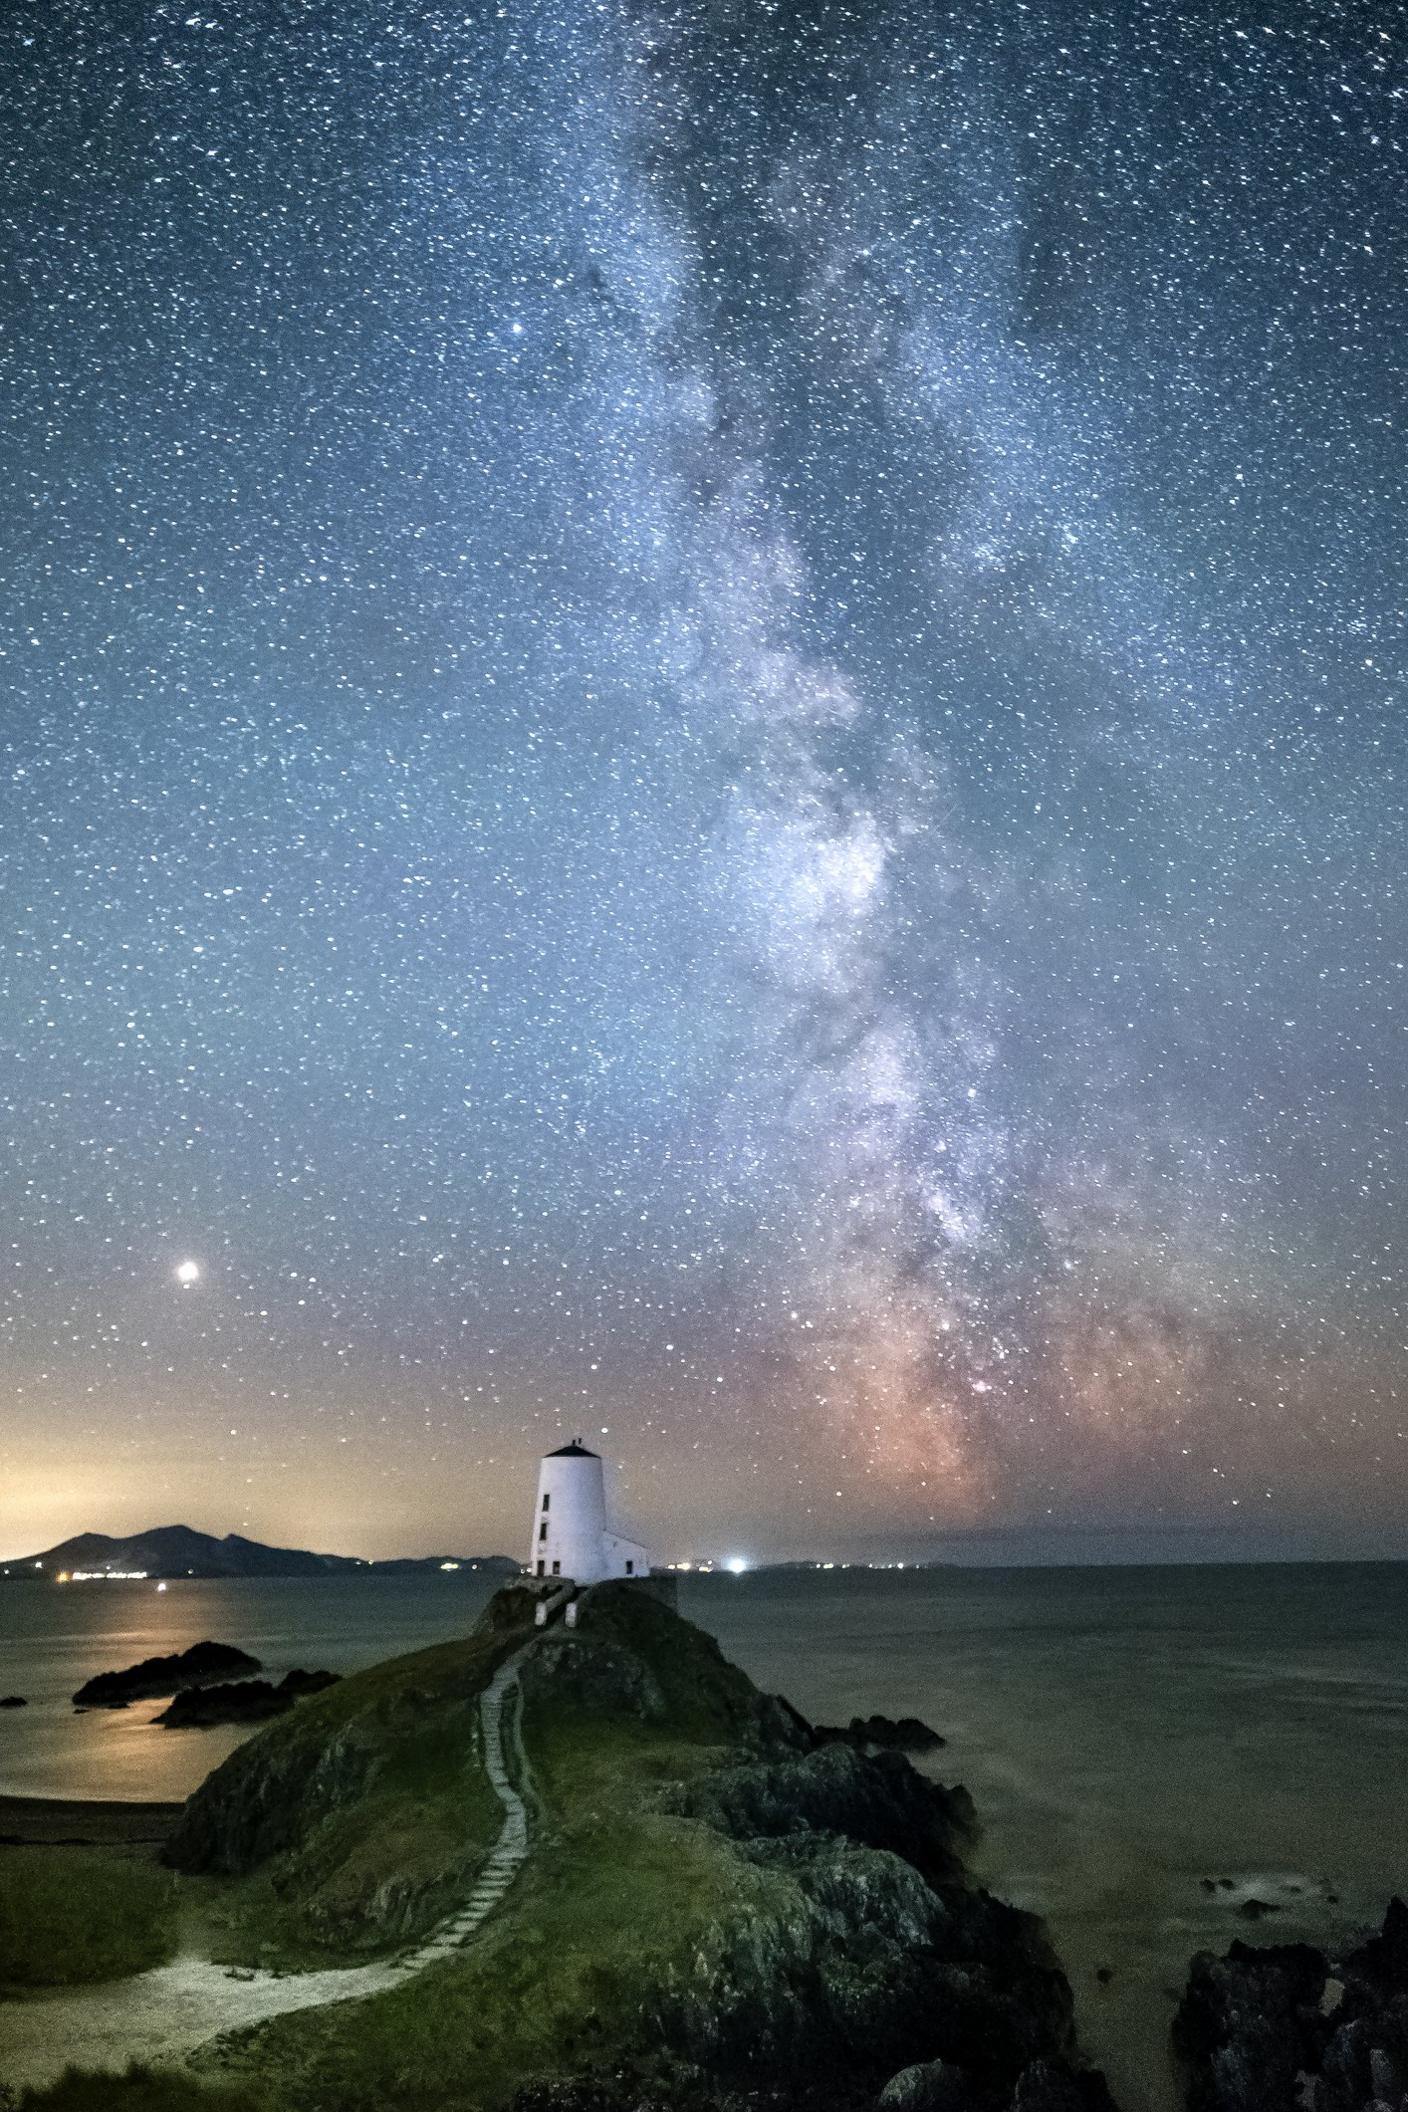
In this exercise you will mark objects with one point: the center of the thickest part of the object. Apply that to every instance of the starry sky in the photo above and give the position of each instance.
(703, 743)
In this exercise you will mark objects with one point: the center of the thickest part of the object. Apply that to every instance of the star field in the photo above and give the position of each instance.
(703, 740)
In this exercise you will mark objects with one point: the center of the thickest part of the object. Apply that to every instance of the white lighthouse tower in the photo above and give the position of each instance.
(571, 1538)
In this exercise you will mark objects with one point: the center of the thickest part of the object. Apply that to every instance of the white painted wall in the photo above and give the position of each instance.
(570, 1536)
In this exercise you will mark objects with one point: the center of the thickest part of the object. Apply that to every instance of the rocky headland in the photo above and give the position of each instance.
(709, 1905)
(720, 1903)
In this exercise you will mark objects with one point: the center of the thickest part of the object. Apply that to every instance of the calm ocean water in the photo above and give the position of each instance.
(1127, 1733)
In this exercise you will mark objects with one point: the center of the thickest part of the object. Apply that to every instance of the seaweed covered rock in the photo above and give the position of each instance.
(1286, 2028)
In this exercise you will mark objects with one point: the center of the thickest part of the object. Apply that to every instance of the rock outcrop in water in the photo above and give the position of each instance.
(241, 1700)
(1286, 2028)
(202, 1664)
(905, 1734)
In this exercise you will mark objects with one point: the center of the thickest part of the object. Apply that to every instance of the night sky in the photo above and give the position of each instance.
(703, 743)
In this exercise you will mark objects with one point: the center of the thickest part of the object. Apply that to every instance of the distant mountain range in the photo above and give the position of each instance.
(179, 1551)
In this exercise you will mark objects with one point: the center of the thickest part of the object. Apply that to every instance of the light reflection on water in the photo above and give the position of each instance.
(1126, 1733)
(54, 1637)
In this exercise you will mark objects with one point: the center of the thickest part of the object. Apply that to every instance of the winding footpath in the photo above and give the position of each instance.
(162, 2015)
(501, 1697)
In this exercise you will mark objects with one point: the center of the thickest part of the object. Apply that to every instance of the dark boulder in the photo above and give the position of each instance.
(1247, 2027)
(1048, 2087)
(202, 1664)
(881, 1801)
(594, 1677)
(1042, 2086)
(241, 1701)
(1382, 1961)
(513, 1606)
(686, 1675)
(902, 1734)
(1277, 2028)
(300, 1684)
(929, 2086)
(13, 1701)
(892, 1960)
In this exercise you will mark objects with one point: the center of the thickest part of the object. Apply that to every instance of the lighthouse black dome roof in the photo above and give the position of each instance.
(572, 1451)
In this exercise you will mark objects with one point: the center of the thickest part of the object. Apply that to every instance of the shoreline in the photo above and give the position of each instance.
(83, 1822)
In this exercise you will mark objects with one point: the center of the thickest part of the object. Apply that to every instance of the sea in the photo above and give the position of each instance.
(1151, 1750)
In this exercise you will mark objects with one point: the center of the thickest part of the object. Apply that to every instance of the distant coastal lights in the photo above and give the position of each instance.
(187, 1273)
(104, 1576)
(737, 1565)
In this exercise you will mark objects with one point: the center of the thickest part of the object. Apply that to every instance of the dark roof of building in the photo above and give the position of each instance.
(575, 1450)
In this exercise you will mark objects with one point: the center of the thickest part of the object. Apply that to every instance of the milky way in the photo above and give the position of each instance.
(703, 742)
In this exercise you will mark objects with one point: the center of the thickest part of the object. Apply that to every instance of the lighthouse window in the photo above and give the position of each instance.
(557, 1569)
(543, 1530)
(630, 1569)
(541, 1565)
(547, 1500)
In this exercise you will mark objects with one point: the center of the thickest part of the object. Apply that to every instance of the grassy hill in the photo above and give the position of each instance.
(357, 1822)
(717, 1905)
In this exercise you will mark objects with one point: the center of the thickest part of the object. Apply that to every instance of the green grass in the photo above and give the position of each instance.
(617, 1897)
(623, 1908)
(356, 1875)
(78, 1914)
(139, 2090)
(368, 1879)
(557, 1979)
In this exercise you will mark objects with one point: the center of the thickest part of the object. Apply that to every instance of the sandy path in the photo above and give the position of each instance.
(165, 2014)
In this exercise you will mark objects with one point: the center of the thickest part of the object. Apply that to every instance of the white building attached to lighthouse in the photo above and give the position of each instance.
(571, 1538)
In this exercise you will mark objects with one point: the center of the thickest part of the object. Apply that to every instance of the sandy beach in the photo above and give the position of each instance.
(27, 1822)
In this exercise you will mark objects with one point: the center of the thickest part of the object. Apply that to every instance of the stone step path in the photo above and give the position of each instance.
(162, 2015)
(498, 1722)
